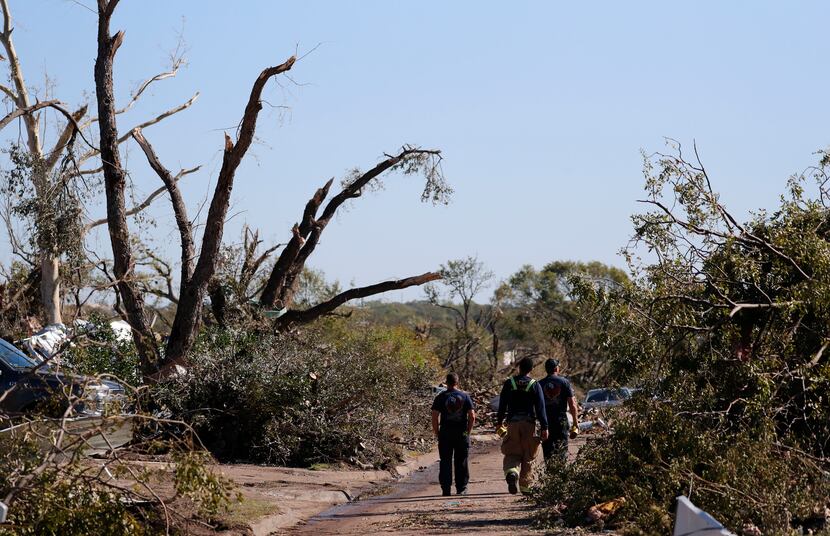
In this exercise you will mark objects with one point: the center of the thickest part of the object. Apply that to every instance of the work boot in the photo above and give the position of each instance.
(446, 493)
(512, 480)
(462, 491)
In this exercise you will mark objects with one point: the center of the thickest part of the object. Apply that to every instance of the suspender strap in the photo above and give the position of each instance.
(516, 387)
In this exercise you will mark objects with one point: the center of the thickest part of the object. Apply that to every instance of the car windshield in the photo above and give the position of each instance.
(14, 357)
(608, 395)
(598, 396)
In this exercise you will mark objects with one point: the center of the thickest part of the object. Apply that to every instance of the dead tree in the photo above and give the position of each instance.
(196, 272)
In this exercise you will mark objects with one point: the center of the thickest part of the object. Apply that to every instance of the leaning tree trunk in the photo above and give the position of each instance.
(195, 279)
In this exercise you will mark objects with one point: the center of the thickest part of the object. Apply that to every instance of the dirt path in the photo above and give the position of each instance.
(414, 505)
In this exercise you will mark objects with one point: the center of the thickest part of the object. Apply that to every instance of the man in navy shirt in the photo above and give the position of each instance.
(559, 399)
(521, 402)
(453, 417)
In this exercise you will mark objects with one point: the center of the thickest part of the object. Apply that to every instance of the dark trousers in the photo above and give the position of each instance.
(453, 446)
(556, 444)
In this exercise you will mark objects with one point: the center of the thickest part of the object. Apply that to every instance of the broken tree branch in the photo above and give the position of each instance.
(144, 204)
(328, 306)
(191, 296)
(179, 207)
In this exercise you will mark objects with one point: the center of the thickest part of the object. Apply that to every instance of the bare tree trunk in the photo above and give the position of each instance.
(114, 184)
(50, 288)
(195, 279)
(49, 264)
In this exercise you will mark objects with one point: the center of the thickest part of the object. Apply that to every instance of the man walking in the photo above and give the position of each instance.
(453, 417)
(522, 403)
(559, 398)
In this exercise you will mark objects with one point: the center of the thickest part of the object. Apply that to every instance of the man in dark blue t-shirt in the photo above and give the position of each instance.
(453, 417)
(559, 399)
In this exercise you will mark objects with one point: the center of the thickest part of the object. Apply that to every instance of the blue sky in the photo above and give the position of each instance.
(541, 110)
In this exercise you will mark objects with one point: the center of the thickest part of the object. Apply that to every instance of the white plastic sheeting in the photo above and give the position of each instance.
(46, 342)
(692, 521)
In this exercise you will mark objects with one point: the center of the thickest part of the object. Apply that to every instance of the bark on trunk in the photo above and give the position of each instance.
(50, 288)
(192, 295)
(114, 184)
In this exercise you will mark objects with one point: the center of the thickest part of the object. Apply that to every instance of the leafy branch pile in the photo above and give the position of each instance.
(726, 330)
(353, 394)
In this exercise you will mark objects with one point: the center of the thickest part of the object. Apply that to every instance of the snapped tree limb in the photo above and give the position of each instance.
(301, 317)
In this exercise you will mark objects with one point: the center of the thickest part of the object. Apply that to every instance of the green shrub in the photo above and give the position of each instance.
(99, 351)
(49, 503)
(333, 393)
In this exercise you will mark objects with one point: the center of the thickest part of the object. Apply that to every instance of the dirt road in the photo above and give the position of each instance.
(414, 505)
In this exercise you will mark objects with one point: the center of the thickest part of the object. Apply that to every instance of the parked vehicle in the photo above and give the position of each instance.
(606, 397)
(27, 386)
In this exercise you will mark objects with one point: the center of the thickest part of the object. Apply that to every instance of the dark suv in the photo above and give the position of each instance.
(27, 386)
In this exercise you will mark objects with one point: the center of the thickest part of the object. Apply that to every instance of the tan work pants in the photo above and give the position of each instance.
(519, 447)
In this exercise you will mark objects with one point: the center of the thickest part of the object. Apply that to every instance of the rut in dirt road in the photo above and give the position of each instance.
(414, 505)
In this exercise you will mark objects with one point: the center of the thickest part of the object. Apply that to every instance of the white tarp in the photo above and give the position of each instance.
(50, 339)
(47, 341)
(692, 521)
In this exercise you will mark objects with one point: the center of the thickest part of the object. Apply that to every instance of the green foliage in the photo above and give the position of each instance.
(67, 494)
(414, 314)
(541, 315)
(725, 332)
(52, 504)
(52, 211)
(336, 392)
(211, 492)
(19, 299)
(100, 351)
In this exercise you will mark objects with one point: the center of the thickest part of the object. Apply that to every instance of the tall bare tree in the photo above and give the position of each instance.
(474, 336)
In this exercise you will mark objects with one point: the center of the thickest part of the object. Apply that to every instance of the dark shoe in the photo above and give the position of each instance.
(512, 480)
(462, 491)
(446, 493)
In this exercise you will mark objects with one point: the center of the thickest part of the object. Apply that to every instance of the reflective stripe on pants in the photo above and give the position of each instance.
(519, 447)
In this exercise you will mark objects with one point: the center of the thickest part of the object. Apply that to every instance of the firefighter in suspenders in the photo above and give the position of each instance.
(521, 406)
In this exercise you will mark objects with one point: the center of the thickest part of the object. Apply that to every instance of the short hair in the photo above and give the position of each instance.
(452, 379)
(551, 365)
(525, 365)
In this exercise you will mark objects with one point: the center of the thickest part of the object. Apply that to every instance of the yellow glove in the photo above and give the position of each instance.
(574, 431)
